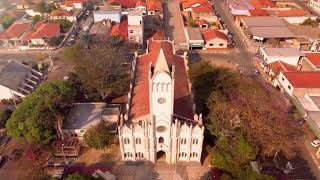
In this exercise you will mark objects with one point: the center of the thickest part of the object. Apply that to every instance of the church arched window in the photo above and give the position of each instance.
(126, 141)
(161, 140)
(138, 140)
(183, 141)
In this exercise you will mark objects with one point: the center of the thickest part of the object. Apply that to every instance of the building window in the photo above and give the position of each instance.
(131, 31)
(138, 140)
(210, 44)
(289, 87)
(139, 155)
(194, 154)
(282, 79)
(195, 141)
(183, 154)
(183, 141)
(161, 140)
(126, 141)
(127, 154)
(221, 44)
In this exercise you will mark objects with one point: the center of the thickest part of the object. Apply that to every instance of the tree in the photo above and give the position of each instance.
(41, 7)
(54, 41)
(310, 22)
(4, 116)
(65, 25)
(36, 19)
(7, 21)
(192, 23)
(76, 176)
(36, 117)
(100, 69)
(98, 137)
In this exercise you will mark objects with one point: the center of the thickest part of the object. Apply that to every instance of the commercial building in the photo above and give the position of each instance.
(194, 38)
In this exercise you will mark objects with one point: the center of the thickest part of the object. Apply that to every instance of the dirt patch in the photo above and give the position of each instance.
(90, 156)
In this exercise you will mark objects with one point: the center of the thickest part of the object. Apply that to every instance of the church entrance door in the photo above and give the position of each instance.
(161, 156)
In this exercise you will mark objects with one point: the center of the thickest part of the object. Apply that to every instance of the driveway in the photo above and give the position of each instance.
(173, 22)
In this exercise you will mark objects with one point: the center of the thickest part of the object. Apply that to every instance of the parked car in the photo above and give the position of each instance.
(315, 143)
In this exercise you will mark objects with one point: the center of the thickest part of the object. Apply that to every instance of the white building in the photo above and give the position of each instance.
(315, 4)
(107, 12)
(135, 26)
(160, 123)
(288, 55)
(18, 80)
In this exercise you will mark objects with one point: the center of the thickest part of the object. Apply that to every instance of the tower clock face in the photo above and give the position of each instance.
(161, 100)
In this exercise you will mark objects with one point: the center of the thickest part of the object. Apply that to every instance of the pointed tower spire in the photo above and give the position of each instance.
(161, 64)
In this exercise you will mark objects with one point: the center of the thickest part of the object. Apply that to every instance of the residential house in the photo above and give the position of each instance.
(18, 80)
(299, 83)
(82, 116)
(141, 6)
(70, 5)
(120, 30)
(215, 39)
(288, 55)
(154, 7)
(273, 70)
(239, 7)
(203, 24)
(258, 12)
(315, 4)
(194, 38)
(200, 11)
(42, 32)
(189, 4)
(107, 12)
(60, 14)
(311, 62)
(11, 37)
(135, 26)
(263, 4)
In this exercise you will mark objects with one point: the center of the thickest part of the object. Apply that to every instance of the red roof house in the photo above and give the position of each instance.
(258, 12)
(303, 79)
(154, 5)
(43, 30)
(291, 13)
(314, 59)
(279, 66)
(121, 30)
(259, 4)
(15, 31)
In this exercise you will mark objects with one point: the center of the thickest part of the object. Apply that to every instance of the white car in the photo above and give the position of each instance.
(315, 143)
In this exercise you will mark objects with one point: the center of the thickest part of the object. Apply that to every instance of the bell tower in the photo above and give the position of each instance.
(162, 89)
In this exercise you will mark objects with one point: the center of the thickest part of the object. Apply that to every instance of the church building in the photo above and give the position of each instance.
(160, 123)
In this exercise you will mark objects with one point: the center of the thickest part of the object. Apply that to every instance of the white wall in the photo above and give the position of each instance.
(116, 17)
(215, 43)
(285, 84)
(135, 20)
(5, 93)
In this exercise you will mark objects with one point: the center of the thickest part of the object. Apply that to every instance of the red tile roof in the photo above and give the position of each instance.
(141, 3)
(182, 96)
(43, 30)
(154, 5)
(213, 34)
(15, 30)
(258, 12)
(189, 3)
(279, 66)
(125, 3)
(87, 171)
(202, 22)
(314, 58)
(120, 30)
(263, 3)
(205, 8)
(303, 79)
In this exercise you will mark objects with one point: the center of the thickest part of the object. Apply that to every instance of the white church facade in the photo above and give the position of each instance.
(160, 123)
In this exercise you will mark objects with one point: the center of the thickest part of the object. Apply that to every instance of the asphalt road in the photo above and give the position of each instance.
(241, 55)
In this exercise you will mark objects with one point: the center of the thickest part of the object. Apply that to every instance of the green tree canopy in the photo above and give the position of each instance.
(98, 137)
(35, 19)
(36, 117)
(7, 21)
(65, 25)
(102, 70)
